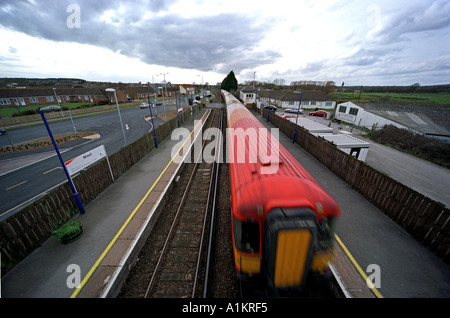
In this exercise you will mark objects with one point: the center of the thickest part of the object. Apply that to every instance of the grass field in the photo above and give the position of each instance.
(435, 99)
(10, 111)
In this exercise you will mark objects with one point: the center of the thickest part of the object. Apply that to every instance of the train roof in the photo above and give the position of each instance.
(261, 174)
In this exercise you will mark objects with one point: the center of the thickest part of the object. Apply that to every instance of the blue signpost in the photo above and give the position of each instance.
(151, 116)
(76, 196)
(176, 102)
(296, 118)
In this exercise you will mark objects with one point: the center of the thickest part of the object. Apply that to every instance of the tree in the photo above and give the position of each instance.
(229, 82)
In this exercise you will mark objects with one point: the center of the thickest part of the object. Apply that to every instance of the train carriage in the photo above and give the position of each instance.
(282, 219)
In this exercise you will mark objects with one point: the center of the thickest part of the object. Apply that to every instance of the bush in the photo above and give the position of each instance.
(102, 102)
(26, 112)
(419, 145)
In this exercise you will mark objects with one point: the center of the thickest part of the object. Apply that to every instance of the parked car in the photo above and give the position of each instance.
(320, 113)
(143, 105)
(288, 116)
(293, 110)
(2, 132)
(271, 107)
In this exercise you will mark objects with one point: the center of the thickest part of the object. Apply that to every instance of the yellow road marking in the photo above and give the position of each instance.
(358, 268)
(52, 170)
(17, 185)
(97, 263)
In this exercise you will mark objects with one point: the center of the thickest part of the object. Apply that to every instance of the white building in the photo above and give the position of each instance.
(343, 141)
(291, 99)
(248, 96)
(354, 114)
(310, 125)
(347, 143)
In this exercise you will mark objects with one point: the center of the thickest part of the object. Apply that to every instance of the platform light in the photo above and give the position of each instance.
(118, 110)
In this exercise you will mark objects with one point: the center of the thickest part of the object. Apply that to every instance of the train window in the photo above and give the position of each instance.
(326, 233)
(246, 235)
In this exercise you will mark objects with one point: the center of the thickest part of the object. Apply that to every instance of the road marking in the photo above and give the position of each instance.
(358, 268)
(17, 185)
(102, 256)
(33, 198)
(52, 170)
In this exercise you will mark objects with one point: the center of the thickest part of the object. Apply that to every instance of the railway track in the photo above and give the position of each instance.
(180, 271)
(176, 253)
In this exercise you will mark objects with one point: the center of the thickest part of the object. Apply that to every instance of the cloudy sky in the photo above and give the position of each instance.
(370, 42)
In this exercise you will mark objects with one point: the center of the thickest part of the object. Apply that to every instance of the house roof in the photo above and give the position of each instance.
(284, 95)
(248, 90)
(140, 90)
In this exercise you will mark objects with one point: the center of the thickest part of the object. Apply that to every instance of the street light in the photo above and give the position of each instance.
(164, 103)
(118, 110)
(54, 91)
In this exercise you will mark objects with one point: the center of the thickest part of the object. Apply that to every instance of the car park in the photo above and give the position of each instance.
(320, 113)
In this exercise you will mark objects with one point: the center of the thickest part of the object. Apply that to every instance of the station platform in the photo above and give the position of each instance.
(112, 225)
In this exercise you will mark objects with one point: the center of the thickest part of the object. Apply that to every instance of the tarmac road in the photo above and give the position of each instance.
(421, 175)
(38, 171)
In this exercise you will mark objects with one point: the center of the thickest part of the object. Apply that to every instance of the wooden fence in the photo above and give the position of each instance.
(426, 220)
(27, 229)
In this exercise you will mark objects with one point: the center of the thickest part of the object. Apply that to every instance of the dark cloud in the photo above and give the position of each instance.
(204, 43)
(414, 19)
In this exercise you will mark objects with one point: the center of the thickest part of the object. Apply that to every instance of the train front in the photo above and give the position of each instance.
(282, 220)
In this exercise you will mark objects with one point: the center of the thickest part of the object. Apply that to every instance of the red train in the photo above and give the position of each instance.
(282, 219)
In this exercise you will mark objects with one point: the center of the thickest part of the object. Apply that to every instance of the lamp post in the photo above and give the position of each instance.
(296, 119)
(118, 110)
(57, 100)
(164, 103)
(76, 196)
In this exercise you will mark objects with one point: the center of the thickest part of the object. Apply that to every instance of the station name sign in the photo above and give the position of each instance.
(77, 164)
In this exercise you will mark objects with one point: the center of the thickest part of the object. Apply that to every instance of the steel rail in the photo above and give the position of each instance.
(169, 235)
(213, 212)
(212, 188)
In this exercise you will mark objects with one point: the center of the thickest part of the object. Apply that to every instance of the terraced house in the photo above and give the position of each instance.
(11, 97)
(290, 99)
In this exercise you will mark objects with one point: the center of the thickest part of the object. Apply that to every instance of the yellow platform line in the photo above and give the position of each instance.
(358, 268)
(102, 256)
